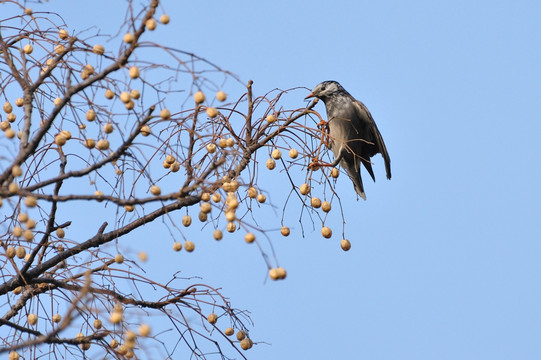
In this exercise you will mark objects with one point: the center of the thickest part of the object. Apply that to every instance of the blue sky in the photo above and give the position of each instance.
(446, 256)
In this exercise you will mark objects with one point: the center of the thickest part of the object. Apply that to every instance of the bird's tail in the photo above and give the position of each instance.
(355, 176)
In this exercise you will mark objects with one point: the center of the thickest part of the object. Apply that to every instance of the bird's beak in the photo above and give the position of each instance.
(311, 95)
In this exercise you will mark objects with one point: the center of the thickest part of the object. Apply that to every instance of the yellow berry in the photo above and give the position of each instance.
(66, 134)
(88, 69)
(202, 216)
(261, 198)
(222, 143)
(212, 112)
(125, 97)
(211, 148)
(30, 224)
(230, 215)
(142, 256)
(10, 252)
(249, 238)
(63, 34)
(229, 331)
(165, 114)
(144, 330)
(32, 319)
(155, 190)
(108, 128)
(271, 164)
(285, 231)
(16, 171)
(345, 244)
(246, 344)
(119, 258)
(199, 97)
(109, 94)
(169, 159)
(216, 197)
(241, 335)
(189, 246)
(9, 133)
(57, 318)
(28, 49)
(335, 172)
(315, 202)
(231, 227)
(164, 19)
(90, 143)
(31, 201)
(28, 235)
(145, 130)
(129, 38)
(91, 115)
(130, 337)
(151, 24)
(326, 206)
(98, 49)
(103, 144)
(271, 118)
(4, 125)
(276, 154)
(97, 324)
(221, 96)
(28, 11)
(326, 232)
(17, 231)
(206, 207)
(175, 167)
(60, 140)
(304, 189)
(186, 220)
(22, 217)
(230, 142)
(293, 153)
(14, 355)
(13, 187)
(122, 350)
(19, 102)
(134, 72)
(177, 246)
(116, 317)
(212, 318)
(218, 235)
(274, 274)
(59, 49)
(252, 192)
(281, 272)
(135, 94)
(60, 233)
(114, 343)
(8, 108)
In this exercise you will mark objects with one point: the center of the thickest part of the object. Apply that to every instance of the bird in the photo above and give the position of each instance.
(354, 136)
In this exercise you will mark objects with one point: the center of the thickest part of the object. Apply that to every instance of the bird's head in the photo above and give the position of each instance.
(326, 90)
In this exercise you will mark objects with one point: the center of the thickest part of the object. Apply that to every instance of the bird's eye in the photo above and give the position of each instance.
(322, 87)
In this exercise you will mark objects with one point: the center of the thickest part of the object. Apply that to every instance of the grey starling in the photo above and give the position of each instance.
(354, 136)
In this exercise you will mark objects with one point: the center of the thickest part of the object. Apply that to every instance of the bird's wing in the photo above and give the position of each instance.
(364, 115)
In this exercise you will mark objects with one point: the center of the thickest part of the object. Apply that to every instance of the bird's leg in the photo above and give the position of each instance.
(337, 160)
(316, 163)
